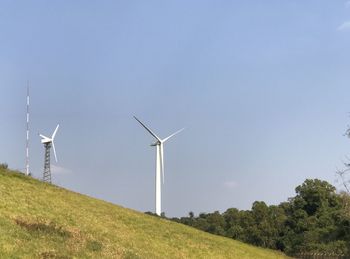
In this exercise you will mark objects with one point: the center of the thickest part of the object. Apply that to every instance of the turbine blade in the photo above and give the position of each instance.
(172, 135)
(54, 150)
(161, 151)
(54, 133)
(42, 136)
(148, 129)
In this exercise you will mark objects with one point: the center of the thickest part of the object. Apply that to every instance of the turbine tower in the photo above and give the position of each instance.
(48, 143)
(159, 144)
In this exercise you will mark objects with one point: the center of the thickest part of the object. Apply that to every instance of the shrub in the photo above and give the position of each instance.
(3, 166)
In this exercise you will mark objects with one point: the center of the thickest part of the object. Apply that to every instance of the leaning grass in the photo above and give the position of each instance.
(38, 220)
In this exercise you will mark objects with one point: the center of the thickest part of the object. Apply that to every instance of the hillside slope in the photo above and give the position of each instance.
(38, 220)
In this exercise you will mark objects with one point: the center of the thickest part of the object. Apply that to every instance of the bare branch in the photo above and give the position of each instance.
(342, 175)
(347, 132)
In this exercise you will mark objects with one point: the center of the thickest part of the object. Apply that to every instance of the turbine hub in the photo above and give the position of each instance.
(155, 144)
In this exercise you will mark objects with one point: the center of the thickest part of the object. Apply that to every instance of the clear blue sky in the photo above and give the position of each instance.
(262, 88)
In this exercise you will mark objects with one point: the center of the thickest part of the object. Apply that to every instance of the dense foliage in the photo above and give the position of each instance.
(317, 219)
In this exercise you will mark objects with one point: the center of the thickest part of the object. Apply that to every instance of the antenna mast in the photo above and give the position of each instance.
(27, 141)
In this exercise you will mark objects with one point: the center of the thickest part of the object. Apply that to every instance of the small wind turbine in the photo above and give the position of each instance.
(48, 143)
(159, 144)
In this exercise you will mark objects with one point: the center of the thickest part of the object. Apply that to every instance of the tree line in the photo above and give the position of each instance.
(316, 219)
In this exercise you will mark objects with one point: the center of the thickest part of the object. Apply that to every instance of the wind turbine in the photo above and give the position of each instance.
(159, 144)
(48, 143)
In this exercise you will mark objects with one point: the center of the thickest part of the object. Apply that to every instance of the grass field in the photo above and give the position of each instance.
(38, 220)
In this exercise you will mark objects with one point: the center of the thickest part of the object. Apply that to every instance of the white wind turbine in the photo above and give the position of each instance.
(159, 144)
(48, 143)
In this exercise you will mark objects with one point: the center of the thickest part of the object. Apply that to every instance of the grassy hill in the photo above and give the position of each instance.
(38, 220)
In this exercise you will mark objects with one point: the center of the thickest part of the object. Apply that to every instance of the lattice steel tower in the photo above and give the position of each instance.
(47, 167)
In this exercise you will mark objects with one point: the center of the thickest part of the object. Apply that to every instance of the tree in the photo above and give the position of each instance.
(233, 228)
(216, 223)
(313, 222)
(315, 194)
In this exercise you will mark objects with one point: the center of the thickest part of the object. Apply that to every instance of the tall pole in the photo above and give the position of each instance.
(27, 140)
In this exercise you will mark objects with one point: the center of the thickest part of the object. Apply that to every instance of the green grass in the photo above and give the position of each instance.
(38, 220)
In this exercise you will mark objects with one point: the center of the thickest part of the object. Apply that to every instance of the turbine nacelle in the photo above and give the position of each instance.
(155, 144)
(47, 140)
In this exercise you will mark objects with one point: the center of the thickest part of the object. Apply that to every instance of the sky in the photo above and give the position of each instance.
(261, 87)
